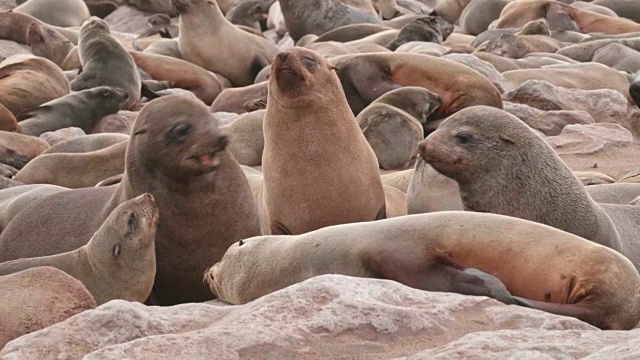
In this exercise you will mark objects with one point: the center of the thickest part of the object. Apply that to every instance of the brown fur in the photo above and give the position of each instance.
(118, 262)
(205, 33)
(105, 62)
(8, 122)
(180, 74)
(177, 153)
(367, 76)
(517, 46)
(553, 270)
(75, 170)
(247, 139)
(63, 13)
(27, 81)
(87, 143)
(233, 99)
(50, 44)
(13, 200)
(479, 14)
(482, 146)
(318, 169)
(17, 149)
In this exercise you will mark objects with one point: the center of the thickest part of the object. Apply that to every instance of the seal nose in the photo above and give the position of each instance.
(148, 197)
(283, 56)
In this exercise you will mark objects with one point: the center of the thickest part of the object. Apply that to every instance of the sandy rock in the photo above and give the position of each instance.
(329, 316)
(603, 105)
(550, 123)
(54, 137)
(483, 67)
(36, 298)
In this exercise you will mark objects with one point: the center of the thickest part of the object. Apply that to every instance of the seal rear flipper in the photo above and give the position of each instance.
(590, 316)
(146, 89)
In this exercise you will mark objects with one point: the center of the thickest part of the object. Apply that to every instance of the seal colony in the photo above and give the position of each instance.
(260, 143)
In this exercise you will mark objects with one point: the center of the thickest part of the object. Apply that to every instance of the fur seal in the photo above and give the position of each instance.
(517, 46)
(80, 109)
(450, 10)
(619, 57)
(365, 77)
(249, 13)
(181, 74)
(27, 81)
(425, 28)
(476, 17)
(483, 144)
(87, 143)
(178, 154)
(392, 124)
(246, 138)
(118, 262)
(15, 199)
(233, 99)
(63, 13)
(304, 17)
(18, 149)
(8, 121)
(204, 32)
(105, 62)
(74, 170)
(464, 252)
(351, 32)
(38, 298)
(346, 183)
(624, 8)
(51, 44)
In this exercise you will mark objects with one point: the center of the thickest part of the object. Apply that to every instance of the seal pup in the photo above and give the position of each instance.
(63, 13)
(119, 261)
(481, 145)
(80, 109)
(204, 32)
(304, 17)
(425, 28)
(177, 153)
(27, 81)
(308, 182)
(105, 62)
(464, 252)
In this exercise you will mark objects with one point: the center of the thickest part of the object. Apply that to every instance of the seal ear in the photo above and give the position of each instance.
(116, 250)
(333, 67)
(140, 131)
(506, 139)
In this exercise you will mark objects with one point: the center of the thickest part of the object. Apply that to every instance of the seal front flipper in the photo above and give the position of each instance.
(588, 315)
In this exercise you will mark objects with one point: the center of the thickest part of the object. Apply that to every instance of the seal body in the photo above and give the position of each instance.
(105, 62)
(118, 262)
(64, 13)
(318, 168)
(543, 267)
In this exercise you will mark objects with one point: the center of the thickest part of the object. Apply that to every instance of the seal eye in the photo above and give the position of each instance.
(106, 94)
(181, 130)
(463, 137)
(132, 221)
(309, 62)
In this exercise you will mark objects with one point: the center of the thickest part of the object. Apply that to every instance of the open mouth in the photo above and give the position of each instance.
(209, 159)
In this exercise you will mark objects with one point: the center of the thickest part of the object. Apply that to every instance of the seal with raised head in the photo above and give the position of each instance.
(105, 62)
(119, 262)
(27, 81)
(317, 17)
(80, 109)
(480, 146)
(318, 178)
(177, 153)
(205, 33)
(464, 252)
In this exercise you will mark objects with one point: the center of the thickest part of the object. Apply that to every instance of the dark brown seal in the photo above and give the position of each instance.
(178, 154)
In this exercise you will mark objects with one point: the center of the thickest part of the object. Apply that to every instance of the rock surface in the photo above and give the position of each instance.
(606, 106)
(549, 123)
(36, 298)
(328, 317)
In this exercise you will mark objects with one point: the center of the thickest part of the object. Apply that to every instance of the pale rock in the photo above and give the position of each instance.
(37, 298)
(54, 137)
(604, 105)
(550, 123)
(483, 67)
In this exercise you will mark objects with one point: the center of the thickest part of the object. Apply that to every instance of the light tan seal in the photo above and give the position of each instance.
(543, 267)
(105, 62)
(15, 199)
(27, 81)
(318, 170)
(119, 262)
(205, 34)
(63, 13)
(482, 146)
(75, 170)
(18, 149)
